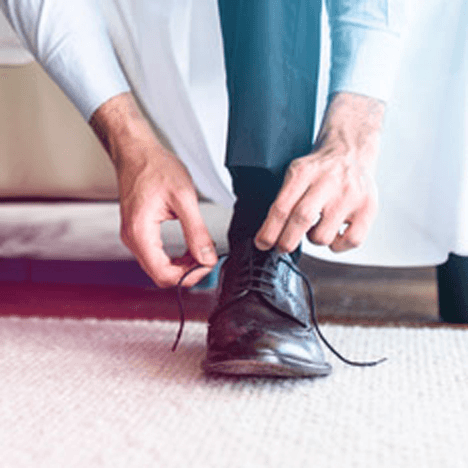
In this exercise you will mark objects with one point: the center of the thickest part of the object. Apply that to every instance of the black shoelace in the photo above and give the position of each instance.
(249, 285)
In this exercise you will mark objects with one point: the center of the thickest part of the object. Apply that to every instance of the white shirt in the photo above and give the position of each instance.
(71, 40)
(162, 50)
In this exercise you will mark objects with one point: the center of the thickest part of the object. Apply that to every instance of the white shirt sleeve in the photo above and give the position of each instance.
(69, 39)
(365, 45)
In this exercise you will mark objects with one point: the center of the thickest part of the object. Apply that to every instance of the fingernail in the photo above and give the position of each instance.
(208, 255)
(261, 245)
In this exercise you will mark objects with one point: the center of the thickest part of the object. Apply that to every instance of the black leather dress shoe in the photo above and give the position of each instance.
(262, 323)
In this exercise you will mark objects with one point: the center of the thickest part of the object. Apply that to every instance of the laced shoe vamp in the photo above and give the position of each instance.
(263, 315)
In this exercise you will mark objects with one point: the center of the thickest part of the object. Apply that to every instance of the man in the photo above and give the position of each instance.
(285, 187)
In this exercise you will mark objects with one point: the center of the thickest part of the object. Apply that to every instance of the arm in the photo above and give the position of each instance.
(70, 40)
(334, 185)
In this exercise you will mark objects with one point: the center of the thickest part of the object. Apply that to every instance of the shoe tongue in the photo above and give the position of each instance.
(246, 251)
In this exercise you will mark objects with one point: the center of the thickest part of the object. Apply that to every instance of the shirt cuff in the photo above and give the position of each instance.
(364, 61)
(87, 81)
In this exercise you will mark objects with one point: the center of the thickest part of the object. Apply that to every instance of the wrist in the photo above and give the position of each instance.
(352, 126)
(365, 110)
(119, 121)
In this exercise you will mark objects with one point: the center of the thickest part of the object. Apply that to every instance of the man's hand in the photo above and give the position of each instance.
(333, 187)
(154, 186)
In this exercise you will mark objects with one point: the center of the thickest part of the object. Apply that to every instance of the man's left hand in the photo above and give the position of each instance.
(330, 194)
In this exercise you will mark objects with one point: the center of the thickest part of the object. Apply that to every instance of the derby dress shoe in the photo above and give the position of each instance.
(262, 325)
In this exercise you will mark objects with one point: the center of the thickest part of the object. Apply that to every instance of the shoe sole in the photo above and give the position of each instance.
(256, 367)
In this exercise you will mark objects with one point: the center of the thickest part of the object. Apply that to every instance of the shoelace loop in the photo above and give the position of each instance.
(249, 285)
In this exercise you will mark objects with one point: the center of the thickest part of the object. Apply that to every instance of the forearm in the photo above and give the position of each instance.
(69, 39)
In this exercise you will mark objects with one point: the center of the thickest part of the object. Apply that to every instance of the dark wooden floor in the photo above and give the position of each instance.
(343, 293)
(373, 294)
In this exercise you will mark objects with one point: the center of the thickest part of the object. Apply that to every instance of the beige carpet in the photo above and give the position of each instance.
(88, 393)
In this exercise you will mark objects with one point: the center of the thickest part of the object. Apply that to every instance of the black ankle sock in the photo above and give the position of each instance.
(256, 189)
(452, 279)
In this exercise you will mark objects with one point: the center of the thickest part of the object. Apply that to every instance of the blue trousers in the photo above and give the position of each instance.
(272, 52)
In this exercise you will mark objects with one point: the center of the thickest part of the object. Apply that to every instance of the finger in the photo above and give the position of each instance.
(196, 234)
(148, 250)
(355, 232)
(142, 235)
(324, 232)
(305, 214)
(167, 272)
(270, 230)
(279, 213)
(151, 254)
(188, 263)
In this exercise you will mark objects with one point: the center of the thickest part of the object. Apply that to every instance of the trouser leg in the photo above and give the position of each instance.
(452, 281)
(272, 50)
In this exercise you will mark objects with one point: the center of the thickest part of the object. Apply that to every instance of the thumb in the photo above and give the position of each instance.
(196, 234)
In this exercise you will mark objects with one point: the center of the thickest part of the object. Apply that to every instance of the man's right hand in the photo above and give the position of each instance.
(154, 187)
